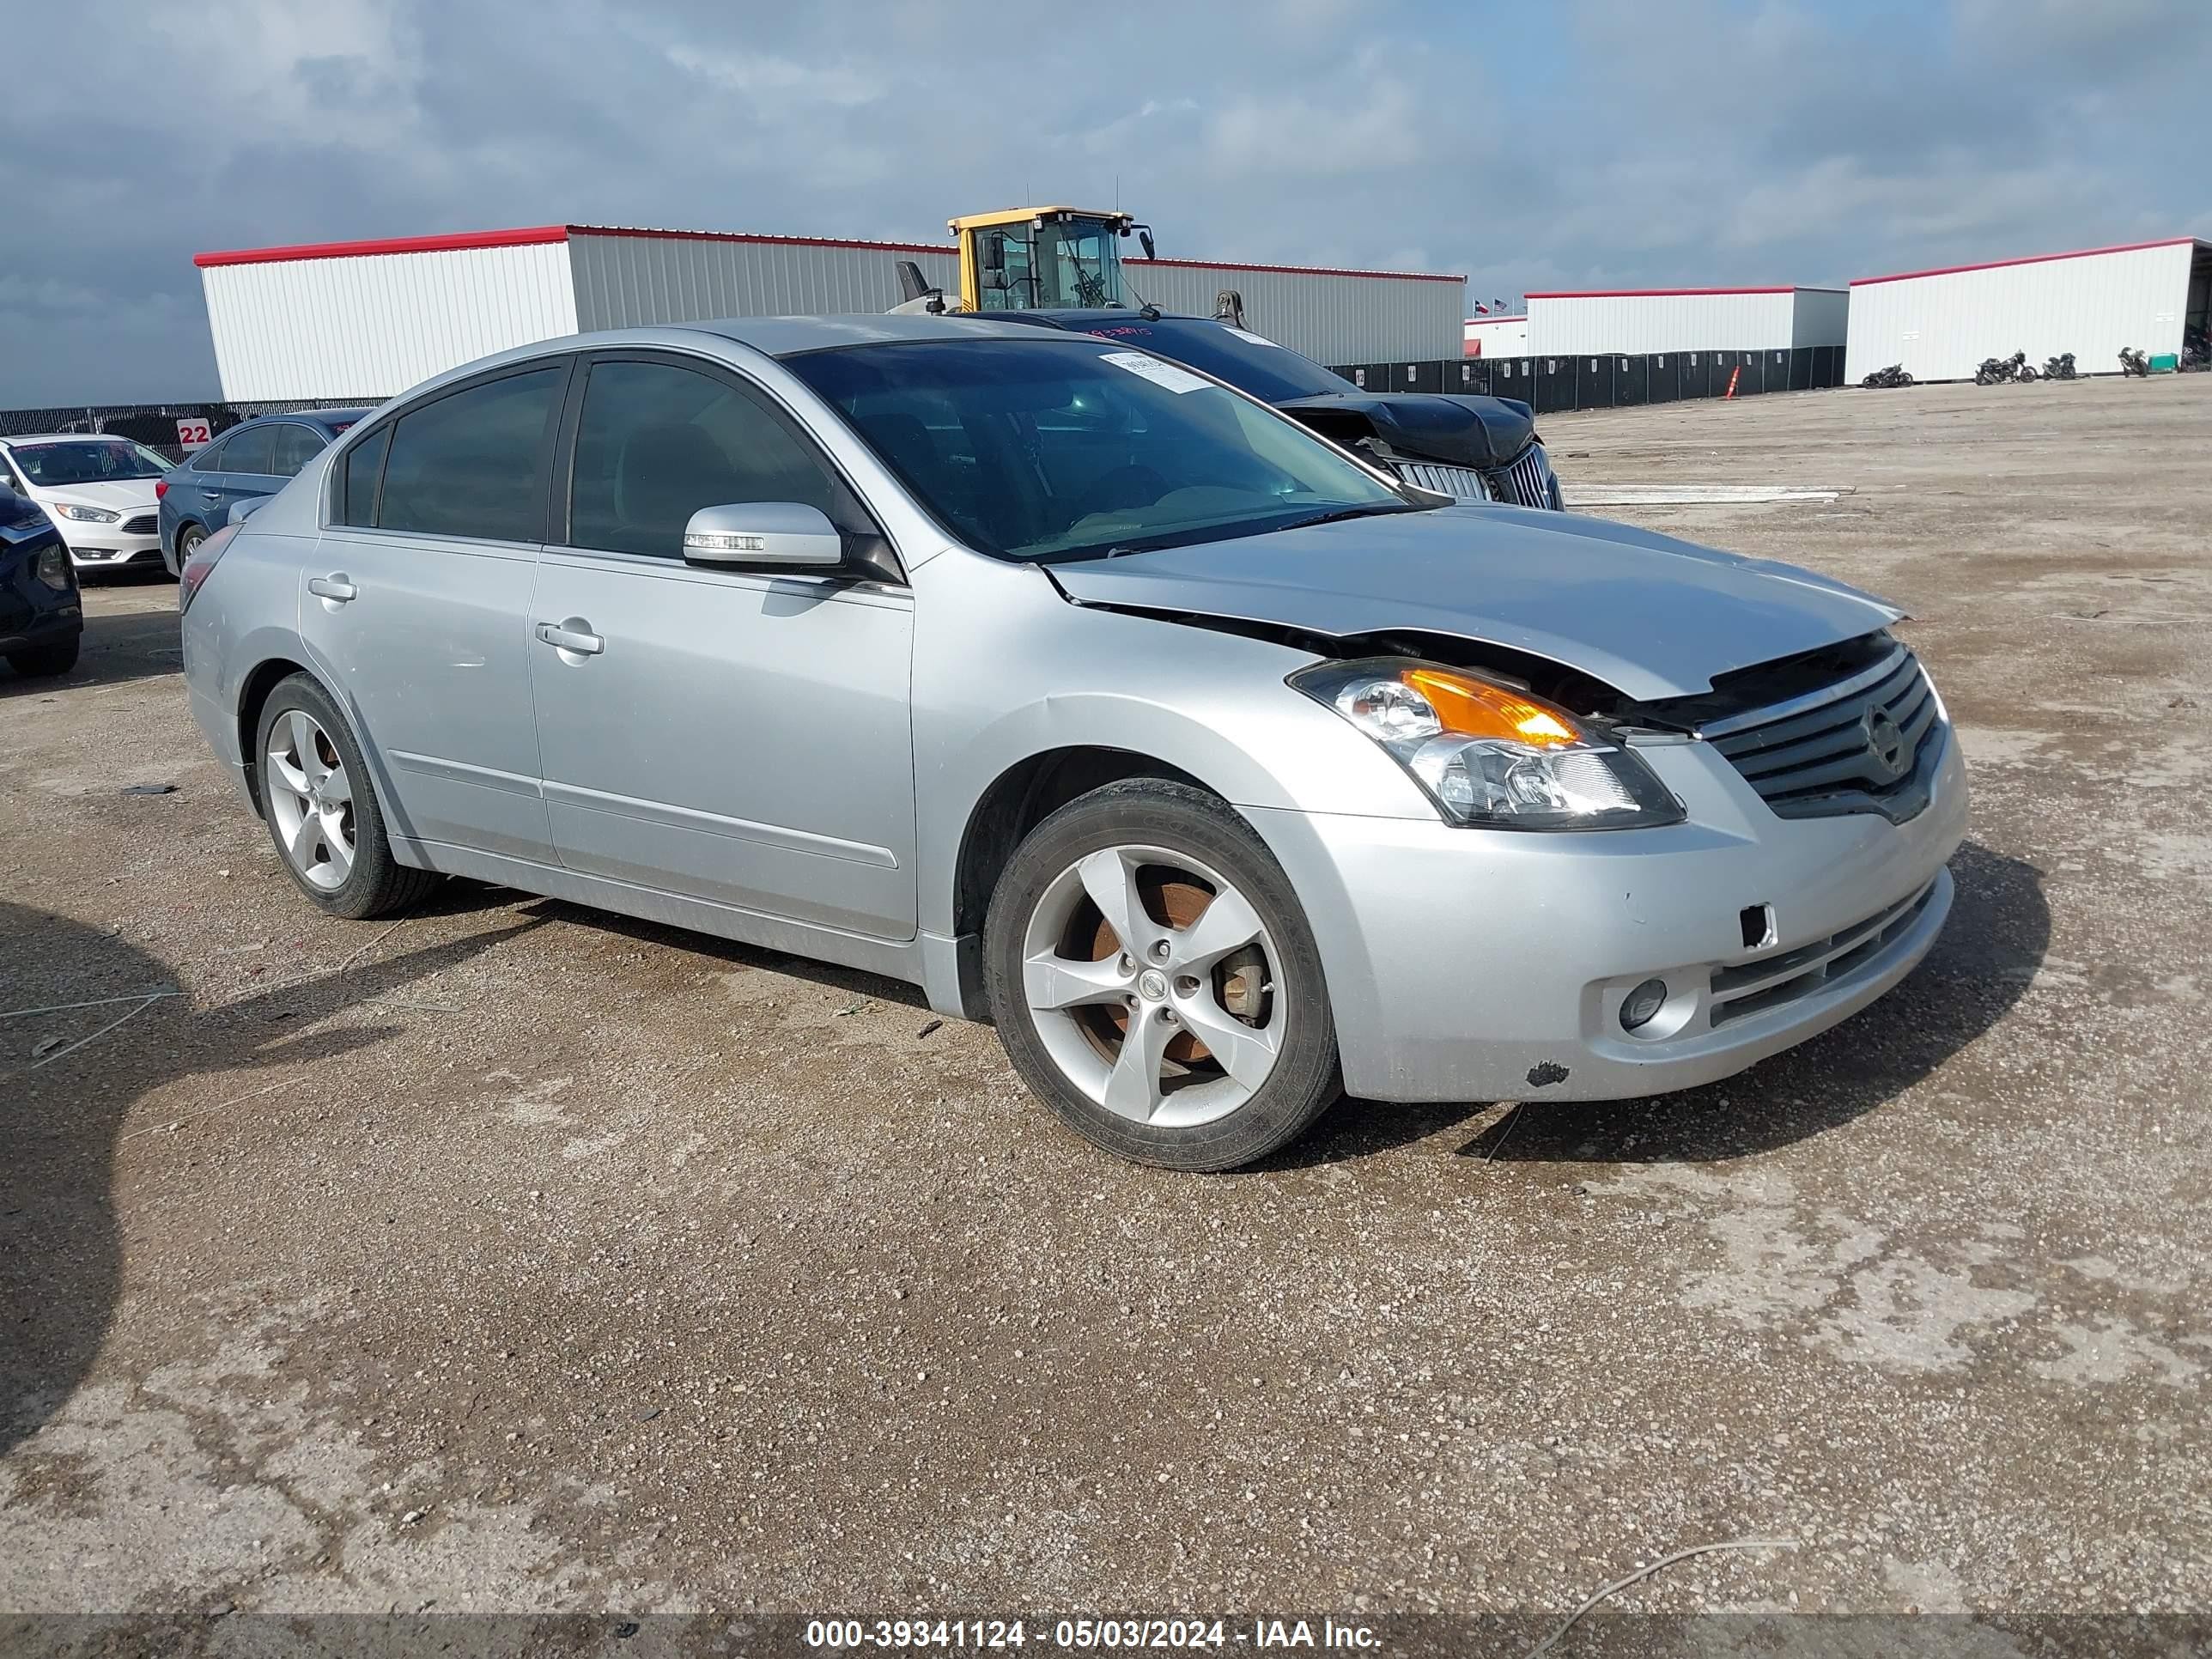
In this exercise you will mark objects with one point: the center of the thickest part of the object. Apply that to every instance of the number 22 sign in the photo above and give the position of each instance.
(192, 433)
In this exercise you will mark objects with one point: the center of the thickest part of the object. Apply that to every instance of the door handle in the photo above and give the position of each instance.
(334, 587)
(575, 634)
(207, 495)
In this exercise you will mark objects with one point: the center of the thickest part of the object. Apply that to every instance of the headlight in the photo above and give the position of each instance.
(86, 514)
(1489, 755)
(54, 570)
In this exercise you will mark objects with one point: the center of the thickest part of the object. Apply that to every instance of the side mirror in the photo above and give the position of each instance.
(1144, 241)
(779, 533)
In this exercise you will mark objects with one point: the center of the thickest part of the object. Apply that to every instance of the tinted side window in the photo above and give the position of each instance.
(473, 464)
(656, 443)
(209, 457)
(295, 447)
(364, 467)
(253, 450)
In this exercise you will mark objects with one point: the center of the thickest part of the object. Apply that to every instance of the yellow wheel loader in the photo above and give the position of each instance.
(1032, 258)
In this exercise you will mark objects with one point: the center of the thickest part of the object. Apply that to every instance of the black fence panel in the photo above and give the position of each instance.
(1421, 377)
(1801, 368)
(1630, 381)
(1554, 384)
(1513, 377)
(1663, 373)
(1827, 366)
(1472, 379)
(1594, 382)
(1696, 374)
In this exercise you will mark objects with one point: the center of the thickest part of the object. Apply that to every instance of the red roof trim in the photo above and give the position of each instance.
(1649, 293)
(1299, 271)
(2026, 259)
(946, 248)
(1518, 317)
(257, 256)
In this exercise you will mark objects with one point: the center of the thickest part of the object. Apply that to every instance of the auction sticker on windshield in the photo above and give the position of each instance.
(1151, 369)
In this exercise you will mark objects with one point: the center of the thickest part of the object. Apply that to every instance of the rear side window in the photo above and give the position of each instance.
(253, 450)
(209, 457)
(655, 443)
(295, 447)
(473, 463)
(364, 468)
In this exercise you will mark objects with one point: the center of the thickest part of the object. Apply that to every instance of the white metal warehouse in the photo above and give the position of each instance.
(1636, 321)
(1941, 324)
(366, 320)
(1496, 336)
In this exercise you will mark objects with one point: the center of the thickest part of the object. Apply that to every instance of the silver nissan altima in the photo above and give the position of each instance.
(1224, 773)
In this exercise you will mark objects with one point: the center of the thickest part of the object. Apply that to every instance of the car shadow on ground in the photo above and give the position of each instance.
(1984, 960)
(61, 1267)
(119, 646)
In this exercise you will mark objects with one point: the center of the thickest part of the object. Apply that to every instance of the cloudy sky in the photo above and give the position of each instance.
(1566, 143)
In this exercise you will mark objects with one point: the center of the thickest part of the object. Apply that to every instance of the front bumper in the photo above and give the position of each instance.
(1486, 965)
(103, 547)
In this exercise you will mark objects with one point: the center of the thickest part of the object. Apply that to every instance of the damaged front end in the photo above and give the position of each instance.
(1472, 449)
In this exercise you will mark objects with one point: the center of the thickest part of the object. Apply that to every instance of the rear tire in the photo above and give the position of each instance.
(321, 807)
(189, 537)
(1149, 913)
(44, 662)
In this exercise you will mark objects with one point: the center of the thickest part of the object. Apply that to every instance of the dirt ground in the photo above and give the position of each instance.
(515, 1258)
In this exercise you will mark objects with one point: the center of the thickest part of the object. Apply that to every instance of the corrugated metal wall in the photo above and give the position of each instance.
(1568, 324)
(1335, 318)
(371, 325)
(1940, 326)
(629, 281)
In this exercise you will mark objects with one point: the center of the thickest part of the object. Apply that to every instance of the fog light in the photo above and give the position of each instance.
(1642, 1003)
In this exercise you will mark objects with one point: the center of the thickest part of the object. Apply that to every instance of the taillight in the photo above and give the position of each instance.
(160, 488)
(201, 565)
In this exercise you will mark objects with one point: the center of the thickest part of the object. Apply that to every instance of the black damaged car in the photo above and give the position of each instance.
(1471, 447)
(41, 617)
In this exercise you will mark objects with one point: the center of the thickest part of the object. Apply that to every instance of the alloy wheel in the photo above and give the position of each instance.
(1154, 986)
(310, 800)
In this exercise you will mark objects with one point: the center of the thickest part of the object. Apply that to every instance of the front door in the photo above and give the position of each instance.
(735, 736)
(416, 604)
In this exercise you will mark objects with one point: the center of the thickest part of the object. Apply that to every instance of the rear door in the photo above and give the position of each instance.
(732, 736)
(416, 604)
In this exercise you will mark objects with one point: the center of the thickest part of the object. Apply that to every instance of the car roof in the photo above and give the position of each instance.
(786, 337)
(68, 438)
(322, 417)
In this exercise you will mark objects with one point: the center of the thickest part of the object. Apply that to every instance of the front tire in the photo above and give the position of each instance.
(44, 662)
(322, 811)
(1155, 982)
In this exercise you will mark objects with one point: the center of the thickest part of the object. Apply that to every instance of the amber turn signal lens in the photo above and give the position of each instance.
(1476, 708)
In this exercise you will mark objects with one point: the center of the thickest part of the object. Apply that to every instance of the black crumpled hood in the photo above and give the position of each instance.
(1433, 426)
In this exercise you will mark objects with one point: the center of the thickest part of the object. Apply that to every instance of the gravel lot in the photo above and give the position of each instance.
(516, 1258)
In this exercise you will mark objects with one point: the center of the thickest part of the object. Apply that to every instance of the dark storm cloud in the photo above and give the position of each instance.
(1599, 141)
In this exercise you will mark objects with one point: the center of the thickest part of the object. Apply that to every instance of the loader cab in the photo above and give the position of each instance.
(1028, 258)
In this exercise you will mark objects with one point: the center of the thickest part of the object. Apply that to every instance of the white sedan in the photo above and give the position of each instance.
(99, 491)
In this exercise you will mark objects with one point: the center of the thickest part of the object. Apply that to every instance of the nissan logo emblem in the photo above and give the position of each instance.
(1887, 745)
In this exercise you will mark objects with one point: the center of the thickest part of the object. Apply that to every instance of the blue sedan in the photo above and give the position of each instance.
(253, 458)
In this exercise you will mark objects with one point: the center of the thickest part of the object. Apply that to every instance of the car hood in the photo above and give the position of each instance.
(122, 495)
(1476, 432)
(1652, 616)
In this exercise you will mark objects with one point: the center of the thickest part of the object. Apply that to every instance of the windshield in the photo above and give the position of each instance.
(1250, 363)
(1068, 448)
(1056, 265)
(87, 460)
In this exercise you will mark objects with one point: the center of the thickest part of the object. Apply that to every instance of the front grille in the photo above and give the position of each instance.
(1527, 480)
(1751, 987)
(1460, 483)
(144, 525)
(1867, 743)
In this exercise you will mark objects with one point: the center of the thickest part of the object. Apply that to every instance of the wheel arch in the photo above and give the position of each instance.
(253, 693)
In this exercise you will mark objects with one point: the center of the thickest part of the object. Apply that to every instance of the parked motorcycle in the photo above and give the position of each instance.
(1886, 379)
(2060, 367)
(2133, 362)
(2195, 350)
(1997, 371)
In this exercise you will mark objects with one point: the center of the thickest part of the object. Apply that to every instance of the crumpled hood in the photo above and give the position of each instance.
(125, 496)
(1477, 432)
(1652, 616)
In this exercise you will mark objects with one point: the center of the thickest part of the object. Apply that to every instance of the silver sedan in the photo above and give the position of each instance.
(1222, 771)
